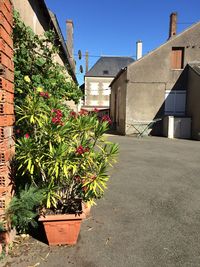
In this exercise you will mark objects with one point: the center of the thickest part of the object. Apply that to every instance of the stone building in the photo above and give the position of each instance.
(98, 79)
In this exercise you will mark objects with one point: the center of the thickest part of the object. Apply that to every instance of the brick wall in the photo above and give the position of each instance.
(6, 103)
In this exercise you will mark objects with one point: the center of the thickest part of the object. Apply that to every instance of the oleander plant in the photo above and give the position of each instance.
(60, 153)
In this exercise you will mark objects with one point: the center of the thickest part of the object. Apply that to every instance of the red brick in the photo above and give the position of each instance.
(5, 24)
(5, 132)
(9, 97)
(8, 5)
(6, 109)
(6, 49)
(6, 97)
(4, 35)
(4, 180)
(5, 169)
(6, 73)
(6, 85)
(5, 5)
(6, 61)
(6, 155)
(7, 13)
(7, 120)
(7, 144)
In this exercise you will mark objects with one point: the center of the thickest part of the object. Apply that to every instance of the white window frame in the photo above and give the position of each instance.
(94, 88)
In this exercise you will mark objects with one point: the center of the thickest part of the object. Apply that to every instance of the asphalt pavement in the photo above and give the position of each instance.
(149, 217)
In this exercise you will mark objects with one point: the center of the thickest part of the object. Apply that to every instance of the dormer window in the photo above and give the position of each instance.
(105, 72)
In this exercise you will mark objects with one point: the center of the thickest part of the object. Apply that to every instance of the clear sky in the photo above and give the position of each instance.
(112, 27)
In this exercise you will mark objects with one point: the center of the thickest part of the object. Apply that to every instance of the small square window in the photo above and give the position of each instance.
(105, 72)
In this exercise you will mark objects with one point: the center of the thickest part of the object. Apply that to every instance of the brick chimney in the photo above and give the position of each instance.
(70, 40)
(172, 24)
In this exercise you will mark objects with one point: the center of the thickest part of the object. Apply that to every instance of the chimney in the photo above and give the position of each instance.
(172, 24)
(138, 49)
(86, 61)
(70, 39)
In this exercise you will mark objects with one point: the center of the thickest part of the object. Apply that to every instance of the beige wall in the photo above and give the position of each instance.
(156, 66)
(97, 91)
(32, 16)
(117, 103)
(149, 77)
(193, 102)
(144, 103)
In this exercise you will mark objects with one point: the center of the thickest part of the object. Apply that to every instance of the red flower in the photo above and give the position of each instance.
(57, 117)
(58, 113)
(80, 150)
(84, 188)
(18, 131)
(44, 94)
(83, 112)
(106, 118)
(26, 135)
(73, 114)
(56, 120)
(96, 110)
(93, 177)
(47, 95)
(77, 178)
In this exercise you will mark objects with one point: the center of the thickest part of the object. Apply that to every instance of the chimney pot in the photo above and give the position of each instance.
(138, 49)
(172, 24)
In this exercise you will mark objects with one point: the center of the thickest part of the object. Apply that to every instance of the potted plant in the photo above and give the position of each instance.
(60, 153)
(66, 155)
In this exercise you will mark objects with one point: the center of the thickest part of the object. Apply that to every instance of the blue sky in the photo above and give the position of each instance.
(112, 27)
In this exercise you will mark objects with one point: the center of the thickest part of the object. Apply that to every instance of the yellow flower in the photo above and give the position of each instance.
(27, 79)
(39, 89)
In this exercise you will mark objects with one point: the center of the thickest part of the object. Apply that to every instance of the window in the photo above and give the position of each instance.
(105, 71)
(94, 88)
(175, 102)
(106, 91)
(177, 57)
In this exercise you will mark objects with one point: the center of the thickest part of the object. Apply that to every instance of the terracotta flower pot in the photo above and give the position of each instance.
(62, 229)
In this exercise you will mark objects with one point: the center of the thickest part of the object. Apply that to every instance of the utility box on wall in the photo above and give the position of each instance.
(177, 127)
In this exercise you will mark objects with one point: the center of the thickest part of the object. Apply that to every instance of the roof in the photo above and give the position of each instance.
(153, 51)
(108, 66)
(195, 66)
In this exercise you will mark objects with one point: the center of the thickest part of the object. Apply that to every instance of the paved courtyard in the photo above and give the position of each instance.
(149, 217)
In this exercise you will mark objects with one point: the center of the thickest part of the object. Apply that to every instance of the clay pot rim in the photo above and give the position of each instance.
(61, 217)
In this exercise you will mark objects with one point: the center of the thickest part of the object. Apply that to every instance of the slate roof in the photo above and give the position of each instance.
(108, 66)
